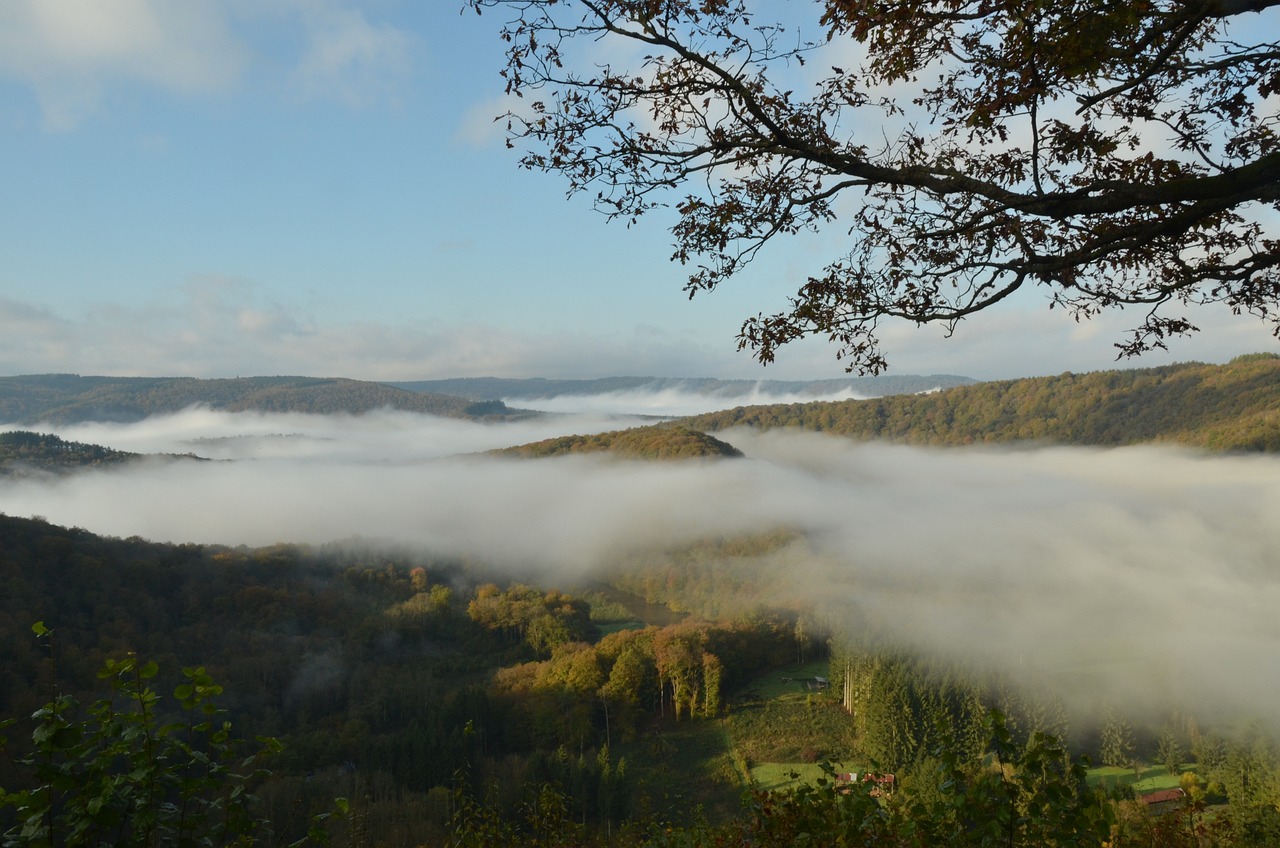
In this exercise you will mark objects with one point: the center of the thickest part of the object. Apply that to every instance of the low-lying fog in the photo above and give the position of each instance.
(672, 402)
(1142, 572)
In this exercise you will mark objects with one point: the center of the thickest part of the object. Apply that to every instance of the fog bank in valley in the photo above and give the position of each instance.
(669, 402)
(1142, 573)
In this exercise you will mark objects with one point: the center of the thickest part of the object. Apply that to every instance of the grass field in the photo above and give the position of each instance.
(770, 727)
(1150, 779)
(614, 626)
(776, 727)
(773, 776)
(780, 682)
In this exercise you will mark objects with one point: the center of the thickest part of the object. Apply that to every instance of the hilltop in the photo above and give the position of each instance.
(1232, 407)
(654, 442)
(71, 398)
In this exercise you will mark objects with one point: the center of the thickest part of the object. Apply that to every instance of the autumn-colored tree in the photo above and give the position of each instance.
(633, 678)
(1107, 154)
(677, 653)
(543, 619)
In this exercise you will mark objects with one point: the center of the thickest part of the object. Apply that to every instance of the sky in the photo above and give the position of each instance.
(220, 188)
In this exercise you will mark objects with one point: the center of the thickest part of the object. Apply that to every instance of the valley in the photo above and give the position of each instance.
(436, 617)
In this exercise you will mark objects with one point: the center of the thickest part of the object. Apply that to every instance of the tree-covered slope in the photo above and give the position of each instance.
(412, 673)
(71, 398)
(656, 442)
(1233, 407)
(24, 453)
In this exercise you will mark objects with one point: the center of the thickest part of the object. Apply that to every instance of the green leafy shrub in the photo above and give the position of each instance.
(121, 773)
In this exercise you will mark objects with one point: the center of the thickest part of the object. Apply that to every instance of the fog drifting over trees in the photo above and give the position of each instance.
(1141, 573)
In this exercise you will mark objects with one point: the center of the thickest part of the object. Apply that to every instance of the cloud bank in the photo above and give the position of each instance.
(1138, 573)
(671, 402)
(217, 326)
(76, 55)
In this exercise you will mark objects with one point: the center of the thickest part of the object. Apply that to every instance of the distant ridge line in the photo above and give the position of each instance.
(72, 398)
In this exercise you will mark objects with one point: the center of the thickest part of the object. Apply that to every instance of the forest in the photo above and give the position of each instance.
(445, 705)
(384, 675)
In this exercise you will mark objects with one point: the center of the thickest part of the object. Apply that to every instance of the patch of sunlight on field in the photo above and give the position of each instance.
(1151, 778)
(772, 777)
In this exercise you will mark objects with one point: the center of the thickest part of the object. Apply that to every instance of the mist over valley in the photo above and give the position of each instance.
(1070, 568)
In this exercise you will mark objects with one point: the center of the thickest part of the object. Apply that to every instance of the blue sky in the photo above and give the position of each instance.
(232, 187)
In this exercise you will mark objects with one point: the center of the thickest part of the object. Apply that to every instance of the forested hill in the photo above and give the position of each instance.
(494, 388)
(71, 398)
(23, 454)
(1218, 407)
(656, 442)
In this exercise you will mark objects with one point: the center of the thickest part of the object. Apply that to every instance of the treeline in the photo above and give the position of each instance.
(24, 453)
(71, 398)
(654, 442)
(1233, 407)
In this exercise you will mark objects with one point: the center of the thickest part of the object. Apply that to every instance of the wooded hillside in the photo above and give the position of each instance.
(71, 398)
(392, 677)
(656, 442)
(1233, 407)
(23, 453)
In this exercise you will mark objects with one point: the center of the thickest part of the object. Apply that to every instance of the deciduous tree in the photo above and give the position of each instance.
(1107, 154)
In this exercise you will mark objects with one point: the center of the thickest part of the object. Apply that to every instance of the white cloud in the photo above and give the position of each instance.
(72, 52)
(32, 338)
(76, 55)
(214, 326)
(484, 123)
(346, 57)
(1025, 338)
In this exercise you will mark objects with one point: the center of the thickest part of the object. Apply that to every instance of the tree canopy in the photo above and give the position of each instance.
(1109, 154)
